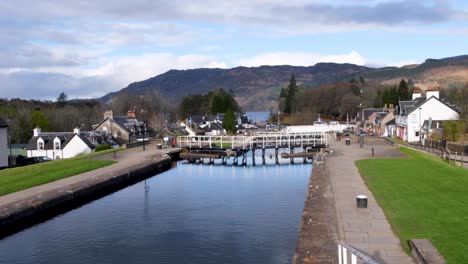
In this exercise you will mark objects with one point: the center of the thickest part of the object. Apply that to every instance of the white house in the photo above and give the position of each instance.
(412, 114)
(59, 145)
(3, 143)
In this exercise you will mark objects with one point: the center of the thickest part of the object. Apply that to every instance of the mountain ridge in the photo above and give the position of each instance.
(257, 88)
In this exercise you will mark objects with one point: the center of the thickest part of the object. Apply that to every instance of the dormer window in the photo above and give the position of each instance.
(40, 145)
(57, 145)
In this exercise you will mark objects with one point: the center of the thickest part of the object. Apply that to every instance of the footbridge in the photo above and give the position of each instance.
(220, 147)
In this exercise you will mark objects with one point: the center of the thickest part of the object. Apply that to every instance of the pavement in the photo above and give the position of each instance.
(125, 159)
(365, 229)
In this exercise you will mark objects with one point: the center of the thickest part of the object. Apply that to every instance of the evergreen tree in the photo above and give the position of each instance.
(229, 122)
(62, 99)
(403, 91)
(284, 93)
(291, 102)
(217, 105)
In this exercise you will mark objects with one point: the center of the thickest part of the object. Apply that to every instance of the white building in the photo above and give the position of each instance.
(412, 115)
(3, 143)
(59, 145)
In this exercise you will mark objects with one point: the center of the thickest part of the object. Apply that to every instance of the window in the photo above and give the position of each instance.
(40, 145)
(57, 157)
(417, 133)
(57, 145)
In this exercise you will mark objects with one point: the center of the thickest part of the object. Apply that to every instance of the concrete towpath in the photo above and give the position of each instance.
(125, 159)
(365, 229)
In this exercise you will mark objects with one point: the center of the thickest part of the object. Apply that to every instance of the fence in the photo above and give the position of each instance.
(348, 254)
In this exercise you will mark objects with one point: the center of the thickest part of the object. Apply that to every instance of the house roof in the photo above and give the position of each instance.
(127, 122)
(216, 126)
(422, 100)
(391, 122)
(407, 107)
(65, 138)
(3, 123)
(367, 112)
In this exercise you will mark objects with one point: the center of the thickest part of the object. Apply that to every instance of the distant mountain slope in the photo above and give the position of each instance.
(257, 88)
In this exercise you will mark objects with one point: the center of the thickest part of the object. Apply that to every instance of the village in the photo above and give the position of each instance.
(418, 121)
(207, 132)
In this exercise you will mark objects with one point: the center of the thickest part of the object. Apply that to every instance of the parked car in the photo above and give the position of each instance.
(33, 160)
(362, 133)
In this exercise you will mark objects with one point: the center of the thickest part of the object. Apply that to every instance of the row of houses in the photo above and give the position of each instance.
(412, 120)
(112, 130)
(211, 125)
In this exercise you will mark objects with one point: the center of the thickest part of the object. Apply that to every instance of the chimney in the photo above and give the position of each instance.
(108, 114)
(434, 91)
(416, 93)
(76, 130)
(131, 114)
(36, 131)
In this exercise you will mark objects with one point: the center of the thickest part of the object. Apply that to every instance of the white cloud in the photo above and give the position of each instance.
(110, 76)
(129, 69)
(301, 59)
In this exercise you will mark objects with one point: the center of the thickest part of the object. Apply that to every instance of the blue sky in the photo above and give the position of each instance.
(89, 48)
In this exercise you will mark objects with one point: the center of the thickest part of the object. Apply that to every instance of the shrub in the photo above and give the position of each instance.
(102, 147)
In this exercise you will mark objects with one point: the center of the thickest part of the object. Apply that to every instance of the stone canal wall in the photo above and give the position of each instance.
(317, 239)
(24, 213)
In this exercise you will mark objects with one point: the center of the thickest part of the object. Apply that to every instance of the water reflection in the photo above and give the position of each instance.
(190, 214)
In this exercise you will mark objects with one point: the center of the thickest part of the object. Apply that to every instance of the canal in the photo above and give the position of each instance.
(190, 214)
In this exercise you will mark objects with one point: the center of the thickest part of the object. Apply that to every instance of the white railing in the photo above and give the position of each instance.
(264, 140)
(347, 253)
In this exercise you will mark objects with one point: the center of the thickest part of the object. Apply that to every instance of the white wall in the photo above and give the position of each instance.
(430, 109)
(51, 153)
(3, 147)
(75, 147)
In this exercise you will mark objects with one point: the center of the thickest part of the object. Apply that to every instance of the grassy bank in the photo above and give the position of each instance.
(423, 197)
(17, 179)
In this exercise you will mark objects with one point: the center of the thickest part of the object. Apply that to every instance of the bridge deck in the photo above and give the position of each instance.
(256, 141)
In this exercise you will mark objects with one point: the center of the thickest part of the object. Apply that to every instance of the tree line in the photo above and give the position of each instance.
(214, 102)
(63, 115)
(345, 98)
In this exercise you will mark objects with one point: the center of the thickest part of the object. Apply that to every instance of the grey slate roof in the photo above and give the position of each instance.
(127, 122)
(3, 123)
(406, 107)
(65, 138)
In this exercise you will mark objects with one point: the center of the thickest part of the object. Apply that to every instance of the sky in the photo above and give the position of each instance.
(89, 48)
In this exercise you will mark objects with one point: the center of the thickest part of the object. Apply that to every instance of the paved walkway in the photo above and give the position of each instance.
(125, 159)
(365, 229)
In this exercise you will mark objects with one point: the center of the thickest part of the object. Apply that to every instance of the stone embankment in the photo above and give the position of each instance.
(25, 208)
(330, 213)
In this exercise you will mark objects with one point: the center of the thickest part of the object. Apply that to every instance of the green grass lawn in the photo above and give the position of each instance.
(423, 197)
(20, 178)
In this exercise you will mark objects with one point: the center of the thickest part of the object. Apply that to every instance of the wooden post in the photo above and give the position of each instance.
(253, 156)
(263, 155)
(276, 156)
(461, 159)
(292, 152)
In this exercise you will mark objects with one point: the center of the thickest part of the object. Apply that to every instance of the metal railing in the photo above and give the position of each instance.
(258, 140)
(348, 254)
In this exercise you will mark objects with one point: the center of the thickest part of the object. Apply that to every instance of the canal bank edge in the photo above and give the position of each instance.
(317, 237)
(22, 214)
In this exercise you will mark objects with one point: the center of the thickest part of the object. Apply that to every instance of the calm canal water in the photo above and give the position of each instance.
(190, 214)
